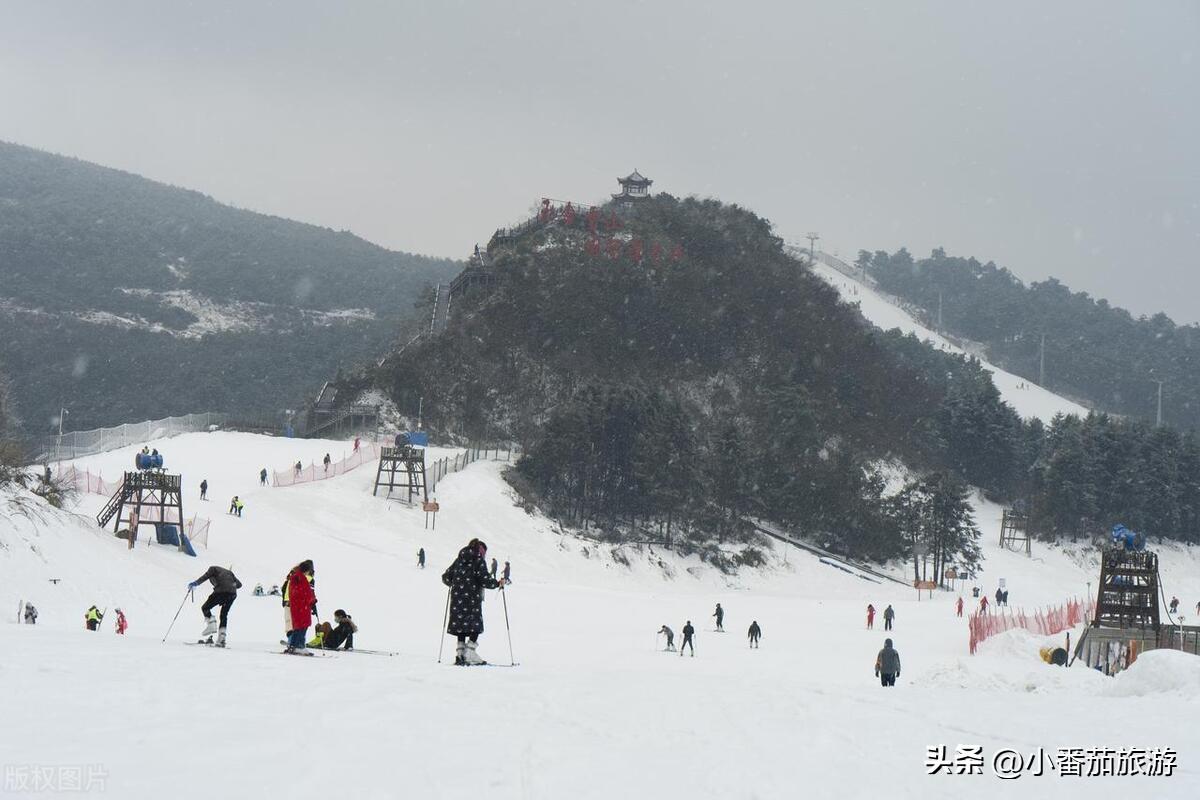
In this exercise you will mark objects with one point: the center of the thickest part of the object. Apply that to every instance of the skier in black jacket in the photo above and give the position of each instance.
(688, 632)
(225, 586)
(467, 577)
(720, 615)
(754, 633)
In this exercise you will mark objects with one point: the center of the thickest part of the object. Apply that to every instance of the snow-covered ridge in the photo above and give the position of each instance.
(885, 312)
(212, 316)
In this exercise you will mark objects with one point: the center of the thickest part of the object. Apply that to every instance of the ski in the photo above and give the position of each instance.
(367, 652)
(306, 652)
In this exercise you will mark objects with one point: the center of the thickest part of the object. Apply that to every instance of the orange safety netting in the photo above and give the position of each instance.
(1046, 622)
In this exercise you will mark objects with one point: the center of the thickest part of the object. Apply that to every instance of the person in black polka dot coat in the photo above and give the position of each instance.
(467, 577)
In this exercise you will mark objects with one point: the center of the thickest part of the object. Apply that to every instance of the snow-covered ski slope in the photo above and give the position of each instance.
(1026, 398)
(595, 709)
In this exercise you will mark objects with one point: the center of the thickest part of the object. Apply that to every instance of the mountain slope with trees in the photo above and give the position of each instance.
(1093, 350)
(126, 299)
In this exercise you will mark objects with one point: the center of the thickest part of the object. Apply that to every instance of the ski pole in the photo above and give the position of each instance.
(445, 620)
(186, 594)
(504, 597)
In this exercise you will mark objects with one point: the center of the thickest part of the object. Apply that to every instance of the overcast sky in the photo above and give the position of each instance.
(1055, 138)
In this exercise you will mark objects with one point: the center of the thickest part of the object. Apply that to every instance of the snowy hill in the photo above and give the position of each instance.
(595, 709)
(1027, 399)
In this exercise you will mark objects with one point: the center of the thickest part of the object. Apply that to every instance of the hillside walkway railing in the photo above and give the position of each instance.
(1046, 622)
(447, 465)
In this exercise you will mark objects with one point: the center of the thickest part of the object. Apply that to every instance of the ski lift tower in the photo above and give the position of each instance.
(401, 468)
(1014, 531)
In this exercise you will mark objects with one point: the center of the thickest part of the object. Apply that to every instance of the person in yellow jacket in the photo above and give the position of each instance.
(92, 618)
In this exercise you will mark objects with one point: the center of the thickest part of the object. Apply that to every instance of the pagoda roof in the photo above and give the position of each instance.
(635, 177)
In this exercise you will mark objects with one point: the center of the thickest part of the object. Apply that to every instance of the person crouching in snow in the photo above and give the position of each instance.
(670, 637)
(467, 577)
(887, 664)
(301, 603)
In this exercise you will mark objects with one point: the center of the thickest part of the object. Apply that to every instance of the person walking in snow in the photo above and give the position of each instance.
(688, 633)
(467, 577)
(507, 572)
(889, 614)
(262, 477)
(30, 614)
(870, 617)
(983, 605)
(92, 618)
(720, 615)
(670, 637)
(495, 568)
(421, 558)
(755, 633)
(204, 489)
(356, 442)
(1174, 604)
(299, 468)
(326, 461)
(233, 501)
(122, 623)
(887, 664)
(225, 585)
(300, 603)
(958, 606)
(999, 598)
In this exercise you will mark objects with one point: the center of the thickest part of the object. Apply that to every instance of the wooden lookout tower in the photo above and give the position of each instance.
(634, 187)
(402, 468)
(145, 497)
(1014, 531)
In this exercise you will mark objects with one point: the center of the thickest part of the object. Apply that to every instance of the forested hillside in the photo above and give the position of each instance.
(125, 299)
(679, 371)
(1094, 351)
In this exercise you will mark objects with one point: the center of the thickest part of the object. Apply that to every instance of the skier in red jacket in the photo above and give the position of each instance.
(870, 616)
(958, 607)
(301, 601)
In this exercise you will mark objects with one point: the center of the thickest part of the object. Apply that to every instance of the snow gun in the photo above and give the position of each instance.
(148, 461)
(1126, 539)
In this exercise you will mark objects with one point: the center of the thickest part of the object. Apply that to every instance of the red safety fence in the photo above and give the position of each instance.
(85, 481)
(367, 451)
(1046, 622)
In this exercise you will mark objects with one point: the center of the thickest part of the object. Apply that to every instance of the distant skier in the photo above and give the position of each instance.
(755, 633)
(958, 606)
(1174, 605)
(258, 590)
(356, 443)
(887, 664)
(204, 489)
(122, 623)
(262, 477)
(300, 602)
(495, 569)
(507, 572)
(93, 618)
(870, 617)
(467, 577)
(889, 614)
(326, 461)
(30, 614)
(421, 558)
(670, 637)
(238, 505)
(983, 605)
(225, 585)
(299, 468)
(999, 598)
(720, 615)
(233, 504)
(1004, 598)
(688, 632)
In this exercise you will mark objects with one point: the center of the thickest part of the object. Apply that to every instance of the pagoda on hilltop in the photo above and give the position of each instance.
(634, 187)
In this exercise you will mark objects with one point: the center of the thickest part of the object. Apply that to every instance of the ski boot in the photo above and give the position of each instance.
(210, 627)
(459, 652)
(221, 638)
(470, 657)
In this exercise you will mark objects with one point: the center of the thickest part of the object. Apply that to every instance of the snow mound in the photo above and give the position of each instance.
(1158, 672)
